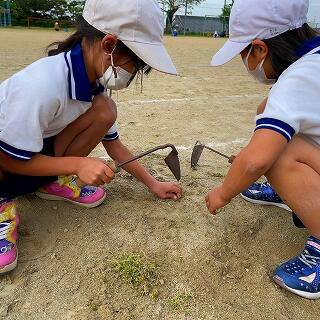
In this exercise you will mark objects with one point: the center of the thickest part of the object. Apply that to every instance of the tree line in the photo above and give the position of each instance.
(70, 9)
(51, 9)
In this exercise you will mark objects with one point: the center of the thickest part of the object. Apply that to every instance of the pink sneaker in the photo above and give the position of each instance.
(66, 188)
(9, 221)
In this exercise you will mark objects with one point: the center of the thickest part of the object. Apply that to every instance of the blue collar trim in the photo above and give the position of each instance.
(308, 46)
(79, 85)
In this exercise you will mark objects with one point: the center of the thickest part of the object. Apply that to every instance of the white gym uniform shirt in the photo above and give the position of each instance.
(294, 101)
(43, 99)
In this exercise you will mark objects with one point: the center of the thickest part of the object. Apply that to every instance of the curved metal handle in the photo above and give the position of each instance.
(141, 155)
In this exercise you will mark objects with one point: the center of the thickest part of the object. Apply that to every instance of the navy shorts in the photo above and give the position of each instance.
(14, 185)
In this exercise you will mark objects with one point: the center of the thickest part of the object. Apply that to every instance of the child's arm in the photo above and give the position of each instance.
(252, 162)
(91, 171)
(118, 152)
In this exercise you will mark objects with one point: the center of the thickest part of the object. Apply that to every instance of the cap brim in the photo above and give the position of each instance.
(155, 56)
(229, 51)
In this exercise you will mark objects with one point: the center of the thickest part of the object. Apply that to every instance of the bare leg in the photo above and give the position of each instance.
(85, 133)
(262, 106)
(295, 176)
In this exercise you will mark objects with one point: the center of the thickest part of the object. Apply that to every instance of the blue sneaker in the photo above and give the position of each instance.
(263, 193)
(301, 275)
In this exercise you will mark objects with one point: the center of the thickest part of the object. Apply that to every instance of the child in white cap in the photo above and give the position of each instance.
(278, 47)
(54, 112)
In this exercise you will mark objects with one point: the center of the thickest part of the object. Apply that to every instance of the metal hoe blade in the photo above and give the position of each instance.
(196, 154)
(173, 163)
(198, 150)
(172, 160)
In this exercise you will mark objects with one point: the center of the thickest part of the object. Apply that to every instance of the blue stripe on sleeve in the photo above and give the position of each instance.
(15, 153)
(276, 125)
(111, 137)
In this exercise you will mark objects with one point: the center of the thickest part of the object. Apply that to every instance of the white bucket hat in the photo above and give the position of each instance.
(260, 19)
(137, 23)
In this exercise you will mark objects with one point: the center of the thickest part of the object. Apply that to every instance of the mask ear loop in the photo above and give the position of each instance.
(247, 60)
(261, 64)
(109, 91)
(114, 69)
(248, 55)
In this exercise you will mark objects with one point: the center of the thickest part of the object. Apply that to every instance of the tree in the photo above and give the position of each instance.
(225, 15)
(59, 9)
(56, 9)
(75, 8)
(36, 8)
(172, 6)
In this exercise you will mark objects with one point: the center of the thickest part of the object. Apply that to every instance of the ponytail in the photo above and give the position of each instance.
(84, 30)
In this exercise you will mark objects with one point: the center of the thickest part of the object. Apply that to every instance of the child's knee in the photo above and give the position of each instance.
(262, 106)
(105, 111)
(285, 164)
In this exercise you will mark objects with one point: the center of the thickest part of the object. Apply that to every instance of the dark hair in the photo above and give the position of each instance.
(84, 30)
(283, 48)
(91, 34)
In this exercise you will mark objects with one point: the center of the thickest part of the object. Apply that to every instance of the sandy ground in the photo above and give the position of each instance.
(225, 263)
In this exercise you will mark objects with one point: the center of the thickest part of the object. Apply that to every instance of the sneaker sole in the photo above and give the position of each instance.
(303, 294)
(265, 203)
(9, 267)
(52, 197)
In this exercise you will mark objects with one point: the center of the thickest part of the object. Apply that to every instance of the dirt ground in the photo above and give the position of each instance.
(223, 263)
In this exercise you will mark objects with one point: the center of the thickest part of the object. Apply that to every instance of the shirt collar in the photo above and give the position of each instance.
(308, 46)
(79, 84)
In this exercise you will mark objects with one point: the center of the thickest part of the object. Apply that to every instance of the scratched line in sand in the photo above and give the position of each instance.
(134, 102)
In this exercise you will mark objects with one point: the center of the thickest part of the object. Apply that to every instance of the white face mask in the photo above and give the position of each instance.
(115, 78)
(258, 73)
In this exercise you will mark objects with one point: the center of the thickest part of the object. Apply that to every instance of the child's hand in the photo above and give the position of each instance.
(215, 200)
(95, 172)
(166, 190)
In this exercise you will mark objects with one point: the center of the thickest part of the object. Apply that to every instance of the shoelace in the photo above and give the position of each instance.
(308, 259)
(5, 228)
(266, 185)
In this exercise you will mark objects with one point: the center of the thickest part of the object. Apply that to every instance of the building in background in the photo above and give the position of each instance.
(200, 25)
(315, 25)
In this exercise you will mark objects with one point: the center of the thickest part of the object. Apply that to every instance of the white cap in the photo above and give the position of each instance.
(137, 23)
(260, 19)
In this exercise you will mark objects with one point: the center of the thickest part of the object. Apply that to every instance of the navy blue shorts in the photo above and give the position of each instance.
(14, 185)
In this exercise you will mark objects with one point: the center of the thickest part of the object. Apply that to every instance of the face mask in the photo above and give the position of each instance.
(115, 78)
(258, 73)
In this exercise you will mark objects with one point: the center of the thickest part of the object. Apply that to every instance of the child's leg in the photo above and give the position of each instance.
(79, 139)
(85, 133)
(296, 178)
(262, 106)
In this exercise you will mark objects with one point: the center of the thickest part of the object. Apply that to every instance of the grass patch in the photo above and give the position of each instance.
(181, 302)
(94, 306)
(140, 274)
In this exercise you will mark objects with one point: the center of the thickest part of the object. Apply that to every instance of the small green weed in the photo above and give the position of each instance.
(93, 306)
(181, 302)
(138, 273)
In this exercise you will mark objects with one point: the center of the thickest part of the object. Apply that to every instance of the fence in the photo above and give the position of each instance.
(5, 15)
(197, 24)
